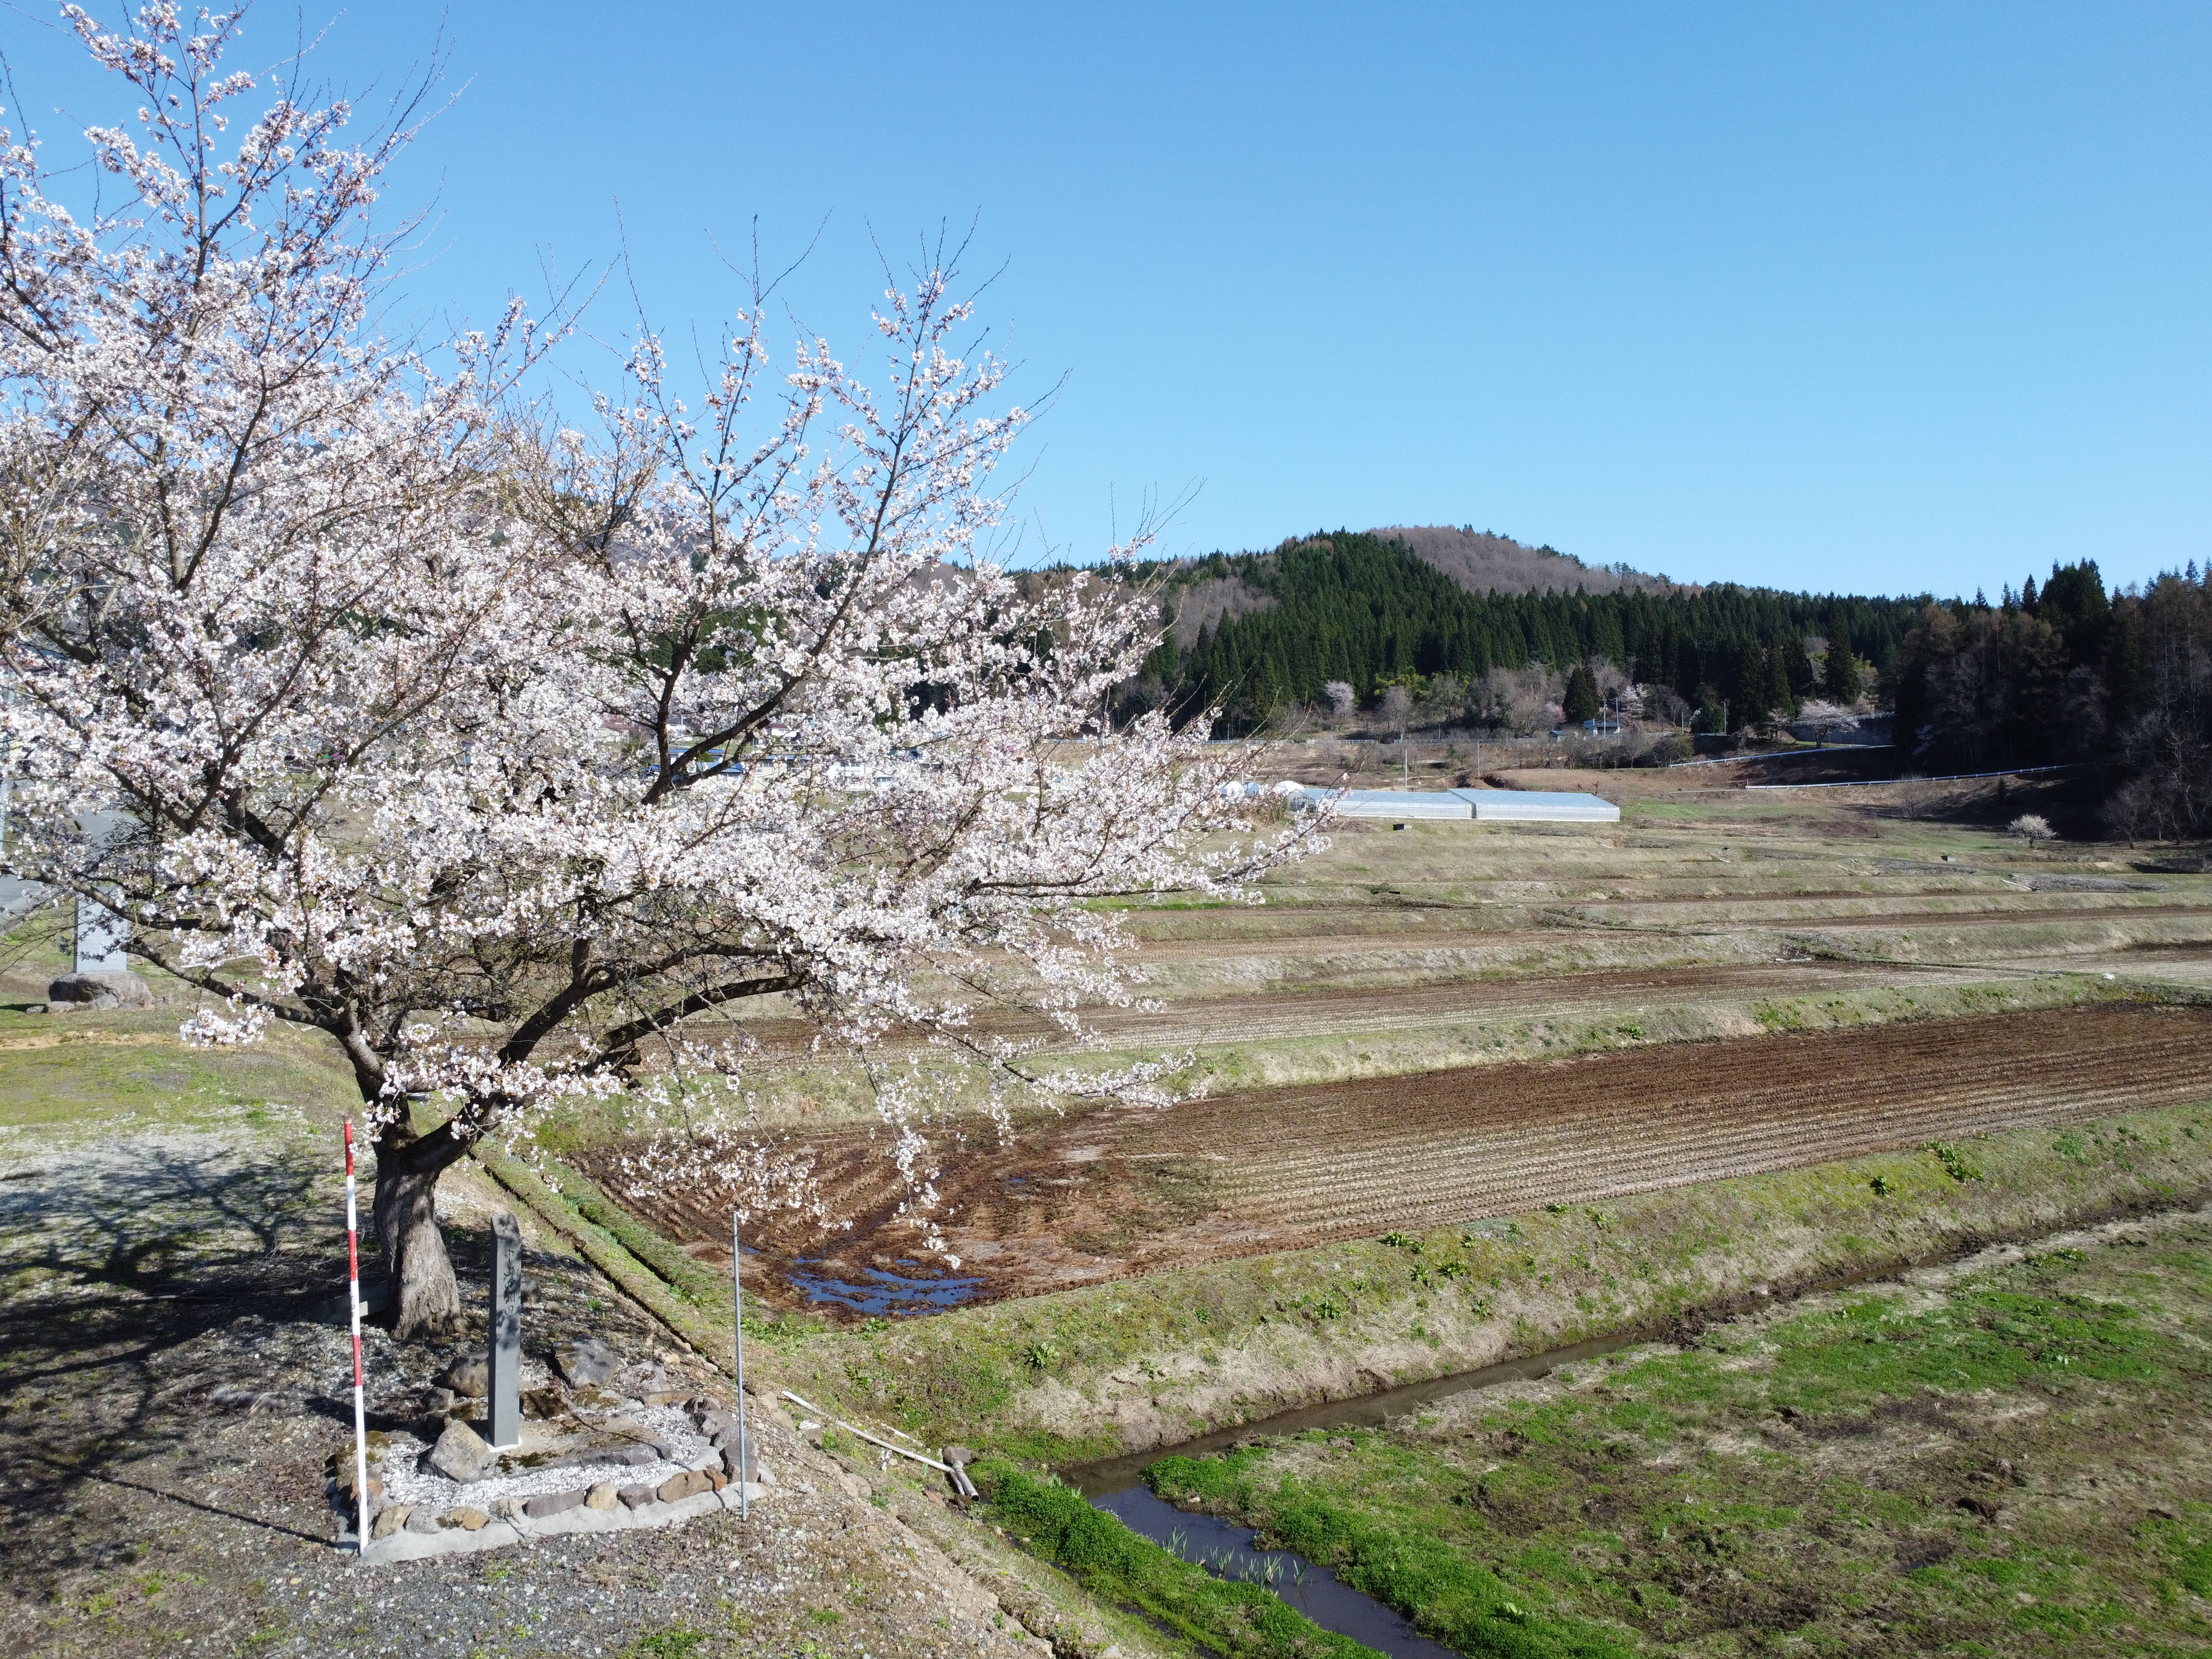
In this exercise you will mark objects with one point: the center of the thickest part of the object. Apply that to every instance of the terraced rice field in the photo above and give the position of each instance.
(1094, 1196)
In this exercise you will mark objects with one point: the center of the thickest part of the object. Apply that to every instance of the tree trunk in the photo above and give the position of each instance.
(426, 1302)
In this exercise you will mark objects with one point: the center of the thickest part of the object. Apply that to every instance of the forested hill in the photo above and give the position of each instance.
(1363, 608)
(1483, 562)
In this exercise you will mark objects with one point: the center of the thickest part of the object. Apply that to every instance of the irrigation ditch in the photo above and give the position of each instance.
(1239, 1555)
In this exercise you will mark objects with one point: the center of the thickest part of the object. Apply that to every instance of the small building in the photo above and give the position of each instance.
(1539, 807)
(1465, 805)
(1401, 805)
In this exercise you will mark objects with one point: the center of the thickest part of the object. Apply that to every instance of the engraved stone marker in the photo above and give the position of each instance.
(100, 936)
(506, 1380)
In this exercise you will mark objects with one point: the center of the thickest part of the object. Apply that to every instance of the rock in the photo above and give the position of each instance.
(124, 990)
(390, 1519)
(342, 1487)
(470, 1378)
(506, 1508)
(604, 1496)
(544, 1404)
(421, 1520)
(461, 1455)
(586, 1362)
(553, 1503)
(468, 1518)
(636, 1498)
(688, 1484)
(730, 1465)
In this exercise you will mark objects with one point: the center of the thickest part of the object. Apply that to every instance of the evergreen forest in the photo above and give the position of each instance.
(2066, 674)
(1358, 609)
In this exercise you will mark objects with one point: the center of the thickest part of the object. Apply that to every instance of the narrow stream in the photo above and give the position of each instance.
(1224, 1549)
(1115, 1485)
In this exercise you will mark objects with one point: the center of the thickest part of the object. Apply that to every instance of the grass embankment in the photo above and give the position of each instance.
(2013, 1462)
(1153, 1361)
(72, 1071)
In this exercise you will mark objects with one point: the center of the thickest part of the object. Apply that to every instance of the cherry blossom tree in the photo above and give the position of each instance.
(516, 759)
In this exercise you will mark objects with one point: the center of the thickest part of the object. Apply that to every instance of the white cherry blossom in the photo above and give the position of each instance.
(519, 760)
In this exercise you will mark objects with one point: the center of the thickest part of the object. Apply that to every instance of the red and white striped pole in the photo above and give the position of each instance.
(360, 1412)
(738, 1313)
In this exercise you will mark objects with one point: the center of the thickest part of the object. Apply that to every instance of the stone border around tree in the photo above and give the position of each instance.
(501, 1531)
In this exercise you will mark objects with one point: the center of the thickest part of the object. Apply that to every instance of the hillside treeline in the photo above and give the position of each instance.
(1367, 612)
(2071, 673)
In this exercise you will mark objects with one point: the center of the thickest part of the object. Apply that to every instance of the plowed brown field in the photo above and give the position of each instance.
(1097, 1195)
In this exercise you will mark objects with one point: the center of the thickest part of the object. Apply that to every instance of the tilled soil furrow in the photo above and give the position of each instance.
(1099, 1195)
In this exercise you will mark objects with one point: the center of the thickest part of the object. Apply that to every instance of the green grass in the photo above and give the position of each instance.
(1461, 1602)
(676, 1642)
(158, 1078)
(2013, 1465)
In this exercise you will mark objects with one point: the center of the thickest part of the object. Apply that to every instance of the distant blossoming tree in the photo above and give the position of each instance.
(510, 758)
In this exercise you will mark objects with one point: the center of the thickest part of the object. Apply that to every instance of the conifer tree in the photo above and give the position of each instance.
(1580, 701)
(1840, 679)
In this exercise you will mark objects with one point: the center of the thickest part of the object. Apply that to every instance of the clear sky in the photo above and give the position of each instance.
(1881, 298)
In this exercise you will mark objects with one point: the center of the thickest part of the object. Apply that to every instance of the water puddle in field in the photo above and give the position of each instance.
(1225, 1550)
(879, 1293)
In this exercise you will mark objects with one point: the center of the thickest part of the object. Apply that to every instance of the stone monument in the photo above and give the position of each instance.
(504, 1395)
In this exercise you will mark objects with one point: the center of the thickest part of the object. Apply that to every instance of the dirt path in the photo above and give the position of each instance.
(1099, 1195)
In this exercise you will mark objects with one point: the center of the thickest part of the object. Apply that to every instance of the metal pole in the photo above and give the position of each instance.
(360, 1412)
(737, 1319)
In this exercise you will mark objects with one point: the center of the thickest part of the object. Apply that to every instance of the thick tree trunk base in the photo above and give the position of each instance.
(426, 1302)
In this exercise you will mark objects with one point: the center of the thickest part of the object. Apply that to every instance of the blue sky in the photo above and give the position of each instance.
(1870, 298)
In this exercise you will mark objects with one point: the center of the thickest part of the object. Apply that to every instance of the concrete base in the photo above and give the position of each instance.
(501, 1531)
